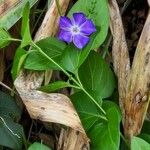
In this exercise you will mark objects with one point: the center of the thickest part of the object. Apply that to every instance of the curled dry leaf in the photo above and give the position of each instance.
(133, 83)
(51, 107)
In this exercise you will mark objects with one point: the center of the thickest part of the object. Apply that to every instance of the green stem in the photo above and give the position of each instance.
(82, 88)
(78, 83)
(62, 69)
(11, 39)
(40, 50)
(76, 87)
(58, 7)
(17, 40)
(97, 104)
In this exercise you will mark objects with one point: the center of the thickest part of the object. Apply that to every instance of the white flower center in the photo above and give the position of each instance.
(75, 30)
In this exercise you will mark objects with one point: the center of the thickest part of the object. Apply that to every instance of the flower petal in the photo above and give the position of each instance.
(88, 27)
(64, 22)
(65, 35)
(79, 18)
(80, 40)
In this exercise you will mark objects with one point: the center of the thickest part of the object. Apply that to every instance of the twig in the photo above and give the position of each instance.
(30, 130)
(125, 6)
(7, 87)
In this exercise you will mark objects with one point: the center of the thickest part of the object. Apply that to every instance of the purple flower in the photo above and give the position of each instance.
(76, 29)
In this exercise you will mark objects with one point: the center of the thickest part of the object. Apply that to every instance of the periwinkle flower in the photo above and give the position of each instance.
(76, 30)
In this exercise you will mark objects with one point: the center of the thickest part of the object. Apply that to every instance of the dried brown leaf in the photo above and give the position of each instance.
(133, 83)
(48, 107)
(138, 85)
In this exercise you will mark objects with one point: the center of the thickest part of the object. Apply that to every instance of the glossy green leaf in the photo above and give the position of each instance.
(54, 86)
(4, 38)
(70, 58)
(88, 111)
(139, 144)
(73, 57)
(106, 135)
(38, 146)
(8, 107)
(19, 58)
(103, 131)
(25, 29)
(145, 137)
(97, 10)
(51, 47)
(11, 133)
(13, 14)
(96, 76)
(146, 127)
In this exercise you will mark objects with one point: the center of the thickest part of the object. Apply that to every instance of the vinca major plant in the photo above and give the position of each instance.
(74, 51)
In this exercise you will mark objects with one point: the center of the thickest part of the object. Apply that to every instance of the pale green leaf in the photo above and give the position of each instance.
(19, 58)
(4, 38)
(54, 86)
(38, 146)
(139, 144)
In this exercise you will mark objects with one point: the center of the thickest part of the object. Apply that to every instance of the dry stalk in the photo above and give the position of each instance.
(138, 85)
(120, 54)
(134, 83)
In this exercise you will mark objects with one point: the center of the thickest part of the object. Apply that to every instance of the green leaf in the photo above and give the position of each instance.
(54, 86)
(11, 134)
(8, 107)
(52, 47)
(145, 137)
(146, 127)
(106, 135)
(13, 14)
(38, 146)
(97, 10)
(72, 57)
(25, 29)
(19, 58)
(96, 76)
(4, 38)
(139, 144)
(88, 111)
